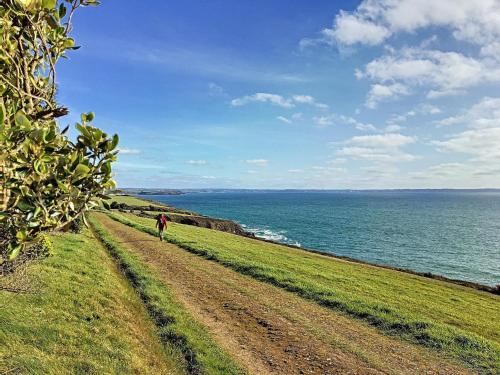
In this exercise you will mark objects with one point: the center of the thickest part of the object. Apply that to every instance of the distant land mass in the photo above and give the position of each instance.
(162, 191)
(142, 191)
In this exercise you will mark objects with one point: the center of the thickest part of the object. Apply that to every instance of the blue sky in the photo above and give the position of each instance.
(280, 94)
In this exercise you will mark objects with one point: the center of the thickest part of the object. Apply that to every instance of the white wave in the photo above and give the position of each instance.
(270, 235)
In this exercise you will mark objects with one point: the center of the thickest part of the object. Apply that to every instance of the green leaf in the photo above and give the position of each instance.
(90, 116)
(63, 187)
(80, 128)
(24, 205)
(49, 4)
(106, 168)
(62, 10)
(22, 235)
(33, 224)
(14, 251)
(106, 205)
(22, 121)
(81, 170)
(68, 43)
(115, 141)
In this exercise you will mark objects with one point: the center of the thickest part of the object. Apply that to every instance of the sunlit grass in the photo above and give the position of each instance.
(177, 328)
(82, 317)
(459, 321)
(131, 201)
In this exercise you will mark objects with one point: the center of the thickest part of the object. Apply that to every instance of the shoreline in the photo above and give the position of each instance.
(465, 283)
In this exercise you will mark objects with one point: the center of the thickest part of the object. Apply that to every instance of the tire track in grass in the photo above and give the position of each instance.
(178, 331)
(272, 325)
(473, 350)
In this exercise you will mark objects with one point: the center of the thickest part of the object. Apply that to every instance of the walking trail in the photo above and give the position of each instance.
(269, 330)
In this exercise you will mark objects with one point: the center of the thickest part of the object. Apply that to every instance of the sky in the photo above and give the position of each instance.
(373, 94)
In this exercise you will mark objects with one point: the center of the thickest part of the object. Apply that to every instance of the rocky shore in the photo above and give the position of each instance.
(184, 217)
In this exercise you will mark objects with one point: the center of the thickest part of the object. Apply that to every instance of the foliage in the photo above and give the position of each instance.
(456, 320)
(46, 180)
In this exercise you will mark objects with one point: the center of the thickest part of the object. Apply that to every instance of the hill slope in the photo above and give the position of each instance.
(81, 317)
(221, 299)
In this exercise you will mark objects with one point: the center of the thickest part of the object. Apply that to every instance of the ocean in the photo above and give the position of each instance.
(450, 233)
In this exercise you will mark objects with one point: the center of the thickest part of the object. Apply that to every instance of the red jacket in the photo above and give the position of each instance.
(162, 221)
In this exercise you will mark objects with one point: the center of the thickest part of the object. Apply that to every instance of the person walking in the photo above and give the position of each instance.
(161, 224)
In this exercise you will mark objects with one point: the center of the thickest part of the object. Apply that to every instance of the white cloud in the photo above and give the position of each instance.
(278, 100)
(328, 170)
(491, 50)
(480, 141)
(371, 154)
(307, 99)
(197, 162)
(350, 29)
(374, 21)
(393, 128)
(209, 177)
(337, 161)
(380, 93)
(323, 121)
(327, 120)
(484, 114)
(295, 171)
(258, 162)
(468, 174)
(357, 124)
(380, 148)
(284, 119)
(263, 98)
(381, 141)
(297, 116)
(439, 73)
(429, 109)
(215, 90)
(424, 109)
(128, 151)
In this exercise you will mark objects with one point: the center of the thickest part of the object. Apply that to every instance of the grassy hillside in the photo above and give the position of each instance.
(132, 201)
(456, 320)
(81, 317)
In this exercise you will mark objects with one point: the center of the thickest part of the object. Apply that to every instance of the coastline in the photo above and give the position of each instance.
(465, 283)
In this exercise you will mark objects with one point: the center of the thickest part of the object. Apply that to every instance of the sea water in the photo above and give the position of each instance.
(450, 233)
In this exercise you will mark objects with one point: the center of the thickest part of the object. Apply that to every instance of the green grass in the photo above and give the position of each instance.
(133, 201)
(140, 202)
(460, 322)
(177, 327)
(170, 213)
(82, 317)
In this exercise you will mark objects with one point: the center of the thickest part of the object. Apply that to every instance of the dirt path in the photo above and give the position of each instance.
(269, 330)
